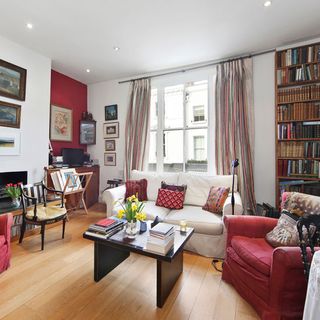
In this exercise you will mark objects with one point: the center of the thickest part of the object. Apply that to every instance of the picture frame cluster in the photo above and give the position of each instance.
(110, 133)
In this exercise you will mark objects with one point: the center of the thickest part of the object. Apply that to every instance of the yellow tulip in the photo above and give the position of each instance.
(120, 213)
(134, 207)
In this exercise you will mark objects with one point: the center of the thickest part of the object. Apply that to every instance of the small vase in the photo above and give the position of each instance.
(15, 202)
(131, 229)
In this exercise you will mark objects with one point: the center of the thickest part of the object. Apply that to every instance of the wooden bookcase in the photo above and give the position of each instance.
(297, 113)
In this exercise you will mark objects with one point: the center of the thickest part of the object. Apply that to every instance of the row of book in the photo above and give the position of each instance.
(287, 95)
(309, 187)
(288, 168)
(161, 238)
(298, 56)
(105, 228)
(299, 149)
(299, 111)
(298, 130)
(303, 73)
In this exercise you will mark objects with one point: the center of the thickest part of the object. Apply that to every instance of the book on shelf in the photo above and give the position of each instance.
(307, 111)
(306, 92)
(301, 167)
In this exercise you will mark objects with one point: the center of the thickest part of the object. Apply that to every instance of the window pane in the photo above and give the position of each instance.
(197, 104)
(154, 109)
(173, 151)
(196, 144)
(173, 107)
(153, 151)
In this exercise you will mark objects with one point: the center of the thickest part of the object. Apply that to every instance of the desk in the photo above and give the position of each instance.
(312, 304)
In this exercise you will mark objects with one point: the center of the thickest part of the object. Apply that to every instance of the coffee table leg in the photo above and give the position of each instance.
(167, 275)
(106, 258)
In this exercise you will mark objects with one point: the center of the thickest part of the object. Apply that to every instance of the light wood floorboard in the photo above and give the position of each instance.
(57, 283)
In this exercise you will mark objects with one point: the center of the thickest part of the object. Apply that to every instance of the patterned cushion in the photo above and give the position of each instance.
(137, 188)
(285, 233)
(216, 199)
(170, 199)
(173, 187)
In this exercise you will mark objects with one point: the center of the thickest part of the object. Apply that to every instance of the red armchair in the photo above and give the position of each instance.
(5, 232)
(271, 280)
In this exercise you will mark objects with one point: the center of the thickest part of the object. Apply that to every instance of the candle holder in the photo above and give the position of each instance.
(183, 226)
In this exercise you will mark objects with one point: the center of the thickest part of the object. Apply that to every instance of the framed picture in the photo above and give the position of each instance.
(110, 145)
(110, 159)
(111, 112)
(87, 132)
(12, 81)
(9, 114)
(74, 181)
(60, 124)
(111, 130)
(9, 142)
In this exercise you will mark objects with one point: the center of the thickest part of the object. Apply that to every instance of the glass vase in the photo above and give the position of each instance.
(15, 202)
(131, 229)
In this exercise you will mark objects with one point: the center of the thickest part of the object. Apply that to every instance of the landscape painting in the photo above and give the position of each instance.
(9, 142)
(12, 81)
(9, 115)
(111, 112)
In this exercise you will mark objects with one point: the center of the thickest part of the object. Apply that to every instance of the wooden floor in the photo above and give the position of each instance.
(57, 283)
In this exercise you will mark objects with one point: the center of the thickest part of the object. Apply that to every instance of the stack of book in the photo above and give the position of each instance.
(161, 238)
(105, 228)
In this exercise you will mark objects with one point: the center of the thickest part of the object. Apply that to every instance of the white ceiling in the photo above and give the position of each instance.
(152, 34)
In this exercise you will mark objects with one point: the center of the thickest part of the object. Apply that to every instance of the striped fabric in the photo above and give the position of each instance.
(137, 126)
(234, 124)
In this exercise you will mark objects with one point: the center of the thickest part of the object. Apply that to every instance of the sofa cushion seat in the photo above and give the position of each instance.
(203, 222)
(150, 209)
(2, 240)
(256, 252)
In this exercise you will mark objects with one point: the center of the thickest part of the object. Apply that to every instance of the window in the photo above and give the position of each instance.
(179, 128)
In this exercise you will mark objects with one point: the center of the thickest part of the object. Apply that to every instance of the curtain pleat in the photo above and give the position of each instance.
(234, 125)
(137, 126)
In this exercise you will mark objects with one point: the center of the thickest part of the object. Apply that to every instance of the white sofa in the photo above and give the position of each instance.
(208, 238)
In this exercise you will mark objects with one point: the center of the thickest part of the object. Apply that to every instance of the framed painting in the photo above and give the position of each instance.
(87, 132)
(111, 112)
(9, 142)
(9, 114)
(60, 124)
(12, 81)
(110, 159)
(110, 145)
(111, 130)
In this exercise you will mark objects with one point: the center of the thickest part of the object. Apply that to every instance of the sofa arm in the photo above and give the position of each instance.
(5, 226)
(248, 226)
(238, 208)
(110, 196)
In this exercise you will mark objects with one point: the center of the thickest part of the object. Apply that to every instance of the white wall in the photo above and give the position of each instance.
(264, 108)
(34, 111)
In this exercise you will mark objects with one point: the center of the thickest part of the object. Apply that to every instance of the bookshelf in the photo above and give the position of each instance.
(297, 112)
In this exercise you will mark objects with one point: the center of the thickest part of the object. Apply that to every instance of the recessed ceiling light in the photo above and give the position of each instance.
(88, 70)
(267, 3)
(29, 25)
(116, 48)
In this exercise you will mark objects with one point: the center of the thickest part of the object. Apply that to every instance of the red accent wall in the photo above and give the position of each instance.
(69, 93)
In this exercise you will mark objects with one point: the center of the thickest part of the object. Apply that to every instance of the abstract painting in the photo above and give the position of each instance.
(60, 124)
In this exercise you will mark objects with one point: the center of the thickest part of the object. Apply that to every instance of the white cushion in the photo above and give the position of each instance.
(202, 221)
(198, 186)
(150, 209)
(154, 181)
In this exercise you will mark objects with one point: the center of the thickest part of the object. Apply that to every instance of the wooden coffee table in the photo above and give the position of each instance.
(109, 253)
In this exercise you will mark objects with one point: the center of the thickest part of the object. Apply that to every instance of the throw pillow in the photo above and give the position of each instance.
(137, 188)
(170, 199)
(285, 233)
(216, 199)
(173, 187)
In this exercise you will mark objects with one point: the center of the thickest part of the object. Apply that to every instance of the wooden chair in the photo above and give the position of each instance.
(36, 210)
(309, 238)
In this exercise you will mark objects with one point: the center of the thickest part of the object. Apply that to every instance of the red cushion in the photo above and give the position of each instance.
(137, 188)
(2, 240)
(256, 252)
(170, 199)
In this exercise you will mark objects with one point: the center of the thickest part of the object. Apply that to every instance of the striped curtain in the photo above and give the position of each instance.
(235, 125)
(137, 126)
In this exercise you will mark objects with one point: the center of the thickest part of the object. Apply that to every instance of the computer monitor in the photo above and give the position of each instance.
(73, 157)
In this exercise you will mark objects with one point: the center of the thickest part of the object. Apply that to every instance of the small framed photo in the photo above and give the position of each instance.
(111, 130)
(110, 159)
(9, 115)
(12, 81)
(110, 145)
(111, 112)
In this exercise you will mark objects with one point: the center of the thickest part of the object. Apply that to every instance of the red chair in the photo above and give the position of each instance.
(5, 232)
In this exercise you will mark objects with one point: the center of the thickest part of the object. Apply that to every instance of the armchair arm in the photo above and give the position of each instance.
(5, 226)
(249, 226)
(238, 208)
(111, 195)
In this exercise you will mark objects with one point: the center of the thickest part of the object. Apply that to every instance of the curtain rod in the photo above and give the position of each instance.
(200, 66)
